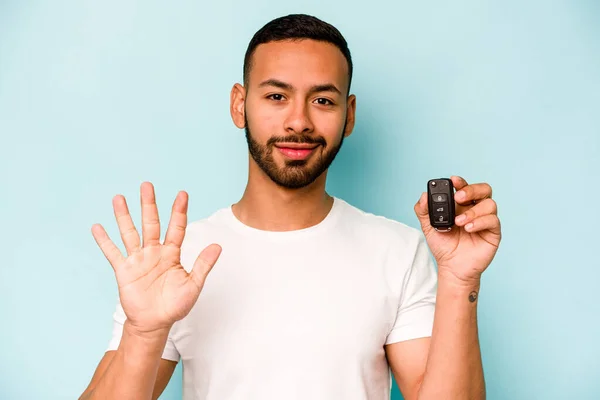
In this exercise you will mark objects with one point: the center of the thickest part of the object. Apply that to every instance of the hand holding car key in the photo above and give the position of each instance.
(462, 229)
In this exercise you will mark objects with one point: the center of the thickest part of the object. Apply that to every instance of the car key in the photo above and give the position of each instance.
(440, 202)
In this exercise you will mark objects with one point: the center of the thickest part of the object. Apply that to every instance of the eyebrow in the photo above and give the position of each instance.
(326, 87)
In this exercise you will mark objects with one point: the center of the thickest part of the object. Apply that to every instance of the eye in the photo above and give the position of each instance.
(275, 96)
(324, 102)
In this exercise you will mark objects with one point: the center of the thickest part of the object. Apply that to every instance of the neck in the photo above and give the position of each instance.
(267, 206)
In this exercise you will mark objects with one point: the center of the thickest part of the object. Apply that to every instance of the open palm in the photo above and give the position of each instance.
(154, 289)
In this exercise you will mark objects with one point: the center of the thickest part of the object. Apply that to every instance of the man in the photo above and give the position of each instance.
(311, 298)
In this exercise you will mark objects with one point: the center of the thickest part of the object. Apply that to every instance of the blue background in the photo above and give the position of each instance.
(96, 97)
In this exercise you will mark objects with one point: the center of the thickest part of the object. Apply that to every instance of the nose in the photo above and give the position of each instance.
(298, 119)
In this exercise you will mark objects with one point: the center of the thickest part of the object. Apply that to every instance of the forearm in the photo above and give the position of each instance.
(132, 371)
(454, 368)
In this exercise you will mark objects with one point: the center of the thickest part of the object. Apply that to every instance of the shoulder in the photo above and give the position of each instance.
(380, 227)
(211, 222)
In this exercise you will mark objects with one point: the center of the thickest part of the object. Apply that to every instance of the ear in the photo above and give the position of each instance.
(350, 115)
(237, 100)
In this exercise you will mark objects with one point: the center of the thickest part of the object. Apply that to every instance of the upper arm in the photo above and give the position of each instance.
(165, 371)
(408, 360)
(407, 344)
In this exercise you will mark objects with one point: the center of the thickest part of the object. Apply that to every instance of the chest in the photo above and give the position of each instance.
(333, 305)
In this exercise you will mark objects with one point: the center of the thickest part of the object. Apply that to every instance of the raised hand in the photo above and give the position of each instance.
(154, 288)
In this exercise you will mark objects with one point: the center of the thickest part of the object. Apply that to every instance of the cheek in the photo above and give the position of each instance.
(262, 122)
(267, 119)
(330, 125)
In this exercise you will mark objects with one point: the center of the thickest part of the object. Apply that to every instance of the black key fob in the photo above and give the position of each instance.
(440, 201)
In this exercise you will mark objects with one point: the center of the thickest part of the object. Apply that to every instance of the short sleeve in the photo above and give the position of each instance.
(119, 317)
(414, 318)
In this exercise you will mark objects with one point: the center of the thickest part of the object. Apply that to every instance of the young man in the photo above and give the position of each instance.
(311, 298)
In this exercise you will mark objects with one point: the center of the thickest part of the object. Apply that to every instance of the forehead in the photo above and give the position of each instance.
(302, 63)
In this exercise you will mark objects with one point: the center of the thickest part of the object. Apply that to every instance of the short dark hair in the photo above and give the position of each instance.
(297, 27)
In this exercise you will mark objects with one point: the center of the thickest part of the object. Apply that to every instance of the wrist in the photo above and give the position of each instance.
(448, 278)
(457, 288)
(141, 349)
(145, 334)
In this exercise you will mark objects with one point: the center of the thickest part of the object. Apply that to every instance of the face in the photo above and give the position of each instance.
(296, 111)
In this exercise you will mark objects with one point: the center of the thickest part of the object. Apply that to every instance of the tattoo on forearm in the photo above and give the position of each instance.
(472, 296)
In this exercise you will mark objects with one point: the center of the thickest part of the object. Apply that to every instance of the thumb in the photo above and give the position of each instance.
(422, 212)
(204, 263)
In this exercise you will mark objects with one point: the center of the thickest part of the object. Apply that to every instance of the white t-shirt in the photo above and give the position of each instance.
(302, 314)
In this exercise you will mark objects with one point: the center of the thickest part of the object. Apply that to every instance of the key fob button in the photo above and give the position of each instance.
(440, 198)
(441, 218)
(440, 209)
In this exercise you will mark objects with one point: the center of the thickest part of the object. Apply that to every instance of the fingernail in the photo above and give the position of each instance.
(459, 195)
(460, 218)
(469, 226)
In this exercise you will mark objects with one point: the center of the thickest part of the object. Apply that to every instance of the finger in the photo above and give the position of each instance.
(487, 222)
(204, 263)
(109, 249)
(129, 235)
(421, 206)
(476, 191)
(176, 230)
(487, 206)
(150, 221)
(458, 182)
(422, 212)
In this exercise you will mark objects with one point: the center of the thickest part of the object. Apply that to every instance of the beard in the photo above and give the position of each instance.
(295, 174)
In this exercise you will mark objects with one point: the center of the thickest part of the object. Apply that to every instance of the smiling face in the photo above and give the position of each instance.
(295, 109)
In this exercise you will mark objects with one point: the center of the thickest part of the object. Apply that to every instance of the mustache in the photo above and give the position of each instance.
(296, 139)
